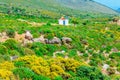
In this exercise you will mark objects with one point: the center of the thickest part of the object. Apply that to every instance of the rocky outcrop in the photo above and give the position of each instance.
(3, 37)
(55, 40)
(28, 35)
(66, 40)
(26, 41)
(41, 39)
(28, 38)
(19, 37)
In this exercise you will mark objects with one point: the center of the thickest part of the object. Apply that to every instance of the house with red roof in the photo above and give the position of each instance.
(63, 21)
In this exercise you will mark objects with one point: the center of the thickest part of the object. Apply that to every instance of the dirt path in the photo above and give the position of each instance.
(32, 23)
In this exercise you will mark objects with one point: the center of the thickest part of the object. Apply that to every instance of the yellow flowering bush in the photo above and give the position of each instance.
(52, 67)
(53, 75)
(32, 61)
(7, 65)
(57, 69)
(67, 64)
(6, 74)
(45, 71)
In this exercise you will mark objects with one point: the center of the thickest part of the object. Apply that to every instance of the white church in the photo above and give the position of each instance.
(63, 21)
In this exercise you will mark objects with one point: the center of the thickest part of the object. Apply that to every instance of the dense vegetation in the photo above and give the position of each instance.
(92, 54)
(92, 46)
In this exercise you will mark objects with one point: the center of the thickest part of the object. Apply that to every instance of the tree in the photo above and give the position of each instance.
(75, 21)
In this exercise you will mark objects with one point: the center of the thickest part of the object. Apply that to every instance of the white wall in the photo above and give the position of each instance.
(61, 22)
(66, 22)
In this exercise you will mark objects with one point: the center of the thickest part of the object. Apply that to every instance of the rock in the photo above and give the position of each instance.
(117, 72)
(105, 66)
(114, 50)
(84, 42)
(28, 35)
(40, 39)
(62, 51)
(3, 37)
(79, 53)
(4, 34)
(66, 40)
(19, 37)
(26, 41)
(13, 57)
(56, 40)
(46, 41)
(58, 52)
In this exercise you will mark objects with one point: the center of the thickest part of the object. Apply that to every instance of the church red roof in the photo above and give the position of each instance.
(62, 18)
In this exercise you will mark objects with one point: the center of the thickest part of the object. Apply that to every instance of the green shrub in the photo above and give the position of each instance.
(50, 35)
(72, 73)
(60, 54)
(36, 34)
(28, 51)
(93, 63)
(118, 68)
(102, 57)
(48, 24)
(39, 48)
(72, 53)
(89, 72)
(83, 71)
(14, 52)
(21, 50)
(1, 59)
(19, 64)
(40, 77)
(23, 73)
(6, 57)
(38, 53)
(10, 32)
(108, 48)
(11, 44)
(115, 55)
(85, 55)
(115, 77)
(44, 49)
(50, 49)
(78, 78)
(58, 78)
(3, 50)
(117, 45)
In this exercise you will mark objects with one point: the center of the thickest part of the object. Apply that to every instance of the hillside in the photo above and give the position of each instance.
(54, 7)
(33, 46)
(86, 5)
(91, 51)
